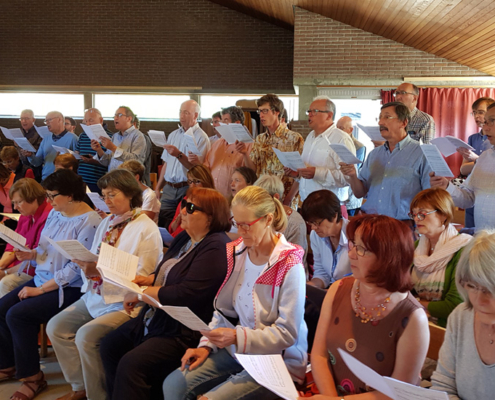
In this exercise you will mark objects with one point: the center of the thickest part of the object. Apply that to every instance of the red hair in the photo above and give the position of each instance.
(391, 241)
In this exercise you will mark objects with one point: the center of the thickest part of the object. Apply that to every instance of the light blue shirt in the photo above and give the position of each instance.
(392, 179)
(330, 266)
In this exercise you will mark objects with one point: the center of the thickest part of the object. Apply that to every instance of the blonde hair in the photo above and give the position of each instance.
(476, 264)
(261, 203)
(272, 184)
(439, 199)
(29, 190)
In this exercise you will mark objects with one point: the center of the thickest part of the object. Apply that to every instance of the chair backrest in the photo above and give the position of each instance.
(437, 334)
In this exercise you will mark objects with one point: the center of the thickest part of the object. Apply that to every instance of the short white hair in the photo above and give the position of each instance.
(329, 105)
(272, 184)
(28, 111)
(476, 264)
(57, 113)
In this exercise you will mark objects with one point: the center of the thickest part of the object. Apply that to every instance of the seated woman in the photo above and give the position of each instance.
(66, 161)
(29, 198)
(151, 205)
(76, 332)
(467, 356)
(372, 314)
(263, 294)
(11, 160)
(56, 284)
(139, 355)
(437, 253)
(197, 176)
(296, 227)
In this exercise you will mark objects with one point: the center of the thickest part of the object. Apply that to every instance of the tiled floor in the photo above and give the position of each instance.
(57, 386)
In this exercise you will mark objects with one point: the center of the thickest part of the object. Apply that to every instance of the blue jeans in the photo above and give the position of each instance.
(220, 377)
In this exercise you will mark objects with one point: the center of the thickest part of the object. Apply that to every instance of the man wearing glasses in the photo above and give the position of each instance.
(46, 154)
(29, 131)
(262, 159)
(479, 188)
(421, 125)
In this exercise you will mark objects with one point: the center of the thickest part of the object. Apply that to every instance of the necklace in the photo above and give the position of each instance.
(361, 310)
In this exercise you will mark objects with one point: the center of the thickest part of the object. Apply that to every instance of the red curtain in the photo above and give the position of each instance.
(450, 108)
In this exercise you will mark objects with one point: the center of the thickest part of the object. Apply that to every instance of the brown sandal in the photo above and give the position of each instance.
(41, 385)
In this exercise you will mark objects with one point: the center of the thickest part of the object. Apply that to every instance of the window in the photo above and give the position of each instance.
(71, 105)
(145, 106)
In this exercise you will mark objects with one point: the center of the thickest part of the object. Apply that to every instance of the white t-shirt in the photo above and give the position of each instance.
(151, 203)
(243, 292)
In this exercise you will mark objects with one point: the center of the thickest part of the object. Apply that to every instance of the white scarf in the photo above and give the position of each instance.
(428, 274)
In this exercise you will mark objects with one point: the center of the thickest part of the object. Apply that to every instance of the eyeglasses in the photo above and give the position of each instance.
(316, 111)
(473, 289)
(264, 110)
(109, 196)
(190, 207)
(315, 224)
(402, 92)
(489, 122)
(380, 117)
(421, 215)
(47, 121)
(360, 250)
(244, 226)
(8, 162)
(193, 181)
(17, 203)
(478, 112)
(51, 197)
(118, 115)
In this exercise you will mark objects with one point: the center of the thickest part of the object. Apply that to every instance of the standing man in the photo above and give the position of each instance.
(29, 131)
(262, 159)
(173, 176)
(322, 163)
(127, 144)
(215, 121)
(393, 173)
(90, 169)
(60, 137)
(70, 124)
(421, 125)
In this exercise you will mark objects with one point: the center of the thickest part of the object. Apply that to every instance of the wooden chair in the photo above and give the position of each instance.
(437, 334)
(153, 180)
(43, 341)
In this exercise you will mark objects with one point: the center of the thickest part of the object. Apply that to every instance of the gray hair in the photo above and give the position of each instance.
(28, 111)
(330, 104)
(476, 264)
(95, 110)
(272, 184)
(58, 114)
(129, 113)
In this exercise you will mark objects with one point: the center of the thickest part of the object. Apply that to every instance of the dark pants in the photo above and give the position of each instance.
(20, 323)
(171, 198)
(136, 369)
(312, 309)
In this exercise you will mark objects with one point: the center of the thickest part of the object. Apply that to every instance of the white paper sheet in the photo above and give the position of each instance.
(191, 143)
(6, 132)
(373, 132)
(448, 145)
(158, 138)
(166, 236)
(73, 250)
(118, 262)
(98, 202)
(117, 280)
(64, 150)
(345, 154)
(42, 131)
(15, 217)
(392, 388)
(13, 238)
(17, 133)
(186, 317)
(290, 159)
(270, 371)
(436, 160)
(242, 133)
(95, 132)
(227, 133)
(25, 144)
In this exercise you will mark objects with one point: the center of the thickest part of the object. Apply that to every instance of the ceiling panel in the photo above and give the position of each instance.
(459, 30)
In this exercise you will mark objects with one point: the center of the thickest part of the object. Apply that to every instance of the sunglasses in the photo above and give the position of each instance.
(190, 207)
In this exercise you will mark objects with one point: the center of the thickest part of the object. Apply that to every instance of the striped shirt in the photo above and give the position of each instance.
(90, 173)
(421, 127)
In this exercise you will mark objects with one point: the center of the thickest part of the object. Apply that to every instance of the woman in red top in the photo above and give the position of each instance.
(29, 198)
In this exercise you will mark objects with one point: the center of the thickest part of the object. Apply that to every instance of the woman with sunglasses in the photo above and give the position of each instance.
(437, 253)
(55, 286)
(139, 355)
(262, 296)
(76, 332)
(467, 356)
(197, 176)
(371, 315)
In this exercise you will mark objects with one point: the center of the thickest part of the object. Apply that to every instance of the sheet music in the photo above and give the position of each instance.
(448, 145)
(186, 317)
(241, 133)
(117, 280)
(17, 133)
(345, 154)
(6, 132)
(158, 138)
(118, 262)
(15, 217)
(98, 202)
(191, 142)
(373, 132)
(64, 150)
(25, 144)
(270, 371)
(42, 131)
(73, 250)
(290, 159)
(436, 161)
(95, 132)
(226, 133)
(13, 238)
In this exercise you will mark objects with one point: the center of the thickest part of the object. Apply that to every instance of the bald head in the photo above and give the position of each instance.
(55, 122)
(189, 113)
(345, 124)
(92, 117)
(407, 93)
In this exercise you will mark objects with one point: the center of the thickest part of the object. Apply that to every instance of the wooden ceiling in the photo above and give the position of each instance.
(459, 30)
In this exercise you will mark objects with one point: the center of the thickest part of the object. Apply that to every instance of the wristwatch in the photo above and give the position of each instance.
(179, 156)
(140, 297)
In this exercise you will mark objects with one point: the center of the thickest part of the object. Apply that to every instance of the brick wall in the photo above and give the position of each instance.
(141, 43)
(327, 49)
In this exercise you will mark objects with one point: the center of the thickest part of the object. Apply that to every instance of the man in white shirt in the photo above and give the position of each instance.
(173, 176)
(322, 163)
